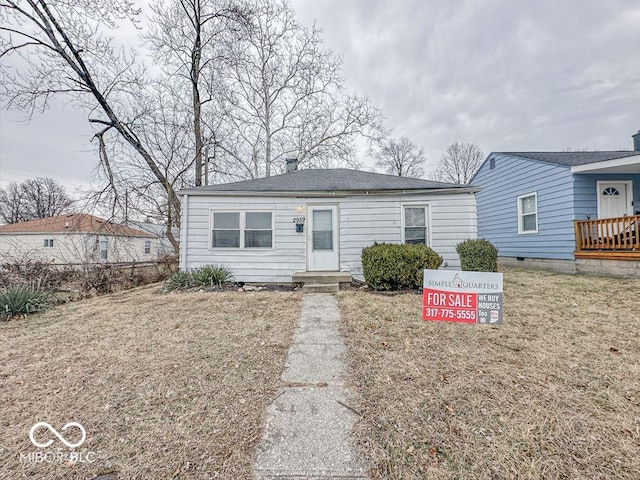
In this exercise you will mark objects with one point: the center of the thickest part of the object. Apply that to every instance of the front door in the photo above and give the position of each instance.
(614, 199)
(322, 238)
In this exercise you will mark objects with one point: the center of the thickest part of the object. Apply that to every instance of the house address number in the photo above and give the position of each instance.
(298, 220)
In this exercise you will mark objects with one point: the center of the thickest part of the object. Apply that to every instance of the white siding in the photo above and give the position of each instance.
(363, 220)
(248, 265)
(73, 248)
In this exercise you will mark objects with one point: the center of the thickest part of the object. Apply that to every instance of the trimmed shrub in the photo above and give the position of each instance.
(388, 266)
(205, 276)
(478, 256)
(23, 300)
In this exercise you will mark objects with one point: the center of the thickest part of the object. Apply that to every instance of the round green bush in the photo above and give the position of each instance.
(389, 266)
(478, 255)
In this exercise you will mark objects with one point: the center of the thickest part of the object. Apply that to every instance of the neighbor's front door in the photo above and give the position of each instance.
(322, 238)
(614, 199)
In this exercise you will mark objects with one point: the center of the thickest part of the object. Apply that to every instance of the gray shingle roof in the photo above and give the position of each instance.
(572, 159)
(326, 180)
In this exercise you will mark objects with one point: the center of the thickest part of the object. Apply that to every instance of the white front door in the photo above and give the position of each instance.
(614, 199)
(322, 238)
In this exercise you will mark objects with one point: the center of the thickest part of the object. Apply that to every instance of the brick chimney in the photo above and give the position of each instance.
(292, 164)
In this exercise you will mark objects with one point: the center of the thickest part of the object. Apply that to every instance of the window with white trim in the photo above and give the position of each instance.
(48, 242)
(415, 224)
(528, 213)
(147, 246)
(104, 249)
(251, 229)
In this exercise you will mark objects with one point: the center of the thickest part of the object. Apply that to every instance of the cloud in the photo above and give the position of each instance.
(506, 75)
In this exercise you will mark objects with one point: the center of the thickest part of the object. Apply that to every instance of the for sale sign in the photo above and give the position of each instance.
(467, 297)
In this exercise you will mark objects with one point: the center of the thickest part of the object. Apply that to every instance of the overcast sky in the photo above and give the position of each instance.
(506, 75)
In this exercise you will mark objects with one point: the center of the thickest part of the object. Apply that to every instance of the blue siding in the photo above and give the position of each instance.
(498, 209)
(586, 194)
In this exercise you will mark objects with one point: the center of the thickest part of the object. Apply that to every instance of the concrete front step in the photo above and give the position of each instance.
(321, 287)
(321, 277)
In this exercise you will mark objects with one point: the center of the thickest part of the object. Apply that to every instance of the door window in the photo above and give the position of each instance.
(322, 234)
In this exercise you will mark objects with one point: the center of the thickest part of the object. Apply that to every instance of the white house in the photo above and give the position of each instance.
(268, 229)
(75, 239)
(160, 232)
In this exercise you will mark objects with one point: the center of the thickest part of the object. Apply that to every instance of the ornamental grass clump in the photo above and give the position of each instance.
(24, 300)
(206, 276)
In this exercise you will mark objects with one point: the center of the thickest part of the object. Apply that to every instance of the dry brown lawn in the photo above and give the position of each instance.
(553, 393)
(166, 386)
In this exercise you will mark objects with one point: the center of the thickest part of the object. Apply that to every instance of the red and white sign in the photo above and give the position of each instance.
(465, 297)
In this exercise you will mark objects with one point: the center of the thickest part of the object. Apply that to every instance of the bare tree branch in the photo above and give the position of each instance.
(459, 163)
(32, 199)
(400, 157)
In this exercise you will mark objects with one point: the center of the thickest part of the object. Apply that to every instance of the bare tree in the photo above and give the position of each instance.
(65, 50)
(191, 38)
(400, 157)
(459, 163)
(44, 197)
(283, 97)
(32, 199)
(12, 204)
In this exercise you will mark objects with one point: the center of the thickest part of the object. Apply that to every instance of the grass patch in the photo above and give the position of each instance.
(166, 386)
(553, 393)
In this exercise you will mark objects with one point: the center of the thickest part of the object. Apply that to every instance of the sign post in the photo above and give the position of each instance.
(465, 297)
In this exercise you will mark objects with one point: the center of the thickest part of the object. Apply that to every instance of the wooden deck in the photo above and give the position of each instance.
(608, 238)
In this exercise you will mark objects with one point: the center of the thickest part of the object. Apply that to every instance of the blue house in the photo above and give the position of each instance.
(571, 211)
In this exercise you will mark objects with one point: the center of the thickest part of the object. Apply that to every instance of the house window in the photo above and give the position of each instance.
(242, 230)
(528, 213)
(258, 231)
(104, 248)
(48, 242)
(226, 230)
(147, 246)
(415, 224)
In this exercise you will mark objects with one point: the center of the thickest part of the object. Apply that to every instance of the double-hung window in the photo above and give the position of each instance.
(147, 247)
(258, 231)
(415, 224)
(226, 230)
(104, 249)
(528, 213)
(242, 230)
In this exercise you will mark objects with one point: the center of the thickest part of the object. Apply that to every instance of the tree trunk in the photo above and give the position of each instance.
(196, 54)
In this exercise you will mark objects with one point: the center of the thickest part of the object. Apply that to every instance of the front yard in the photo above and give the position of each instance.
(166, 386)
(553, 393)
(175, 386)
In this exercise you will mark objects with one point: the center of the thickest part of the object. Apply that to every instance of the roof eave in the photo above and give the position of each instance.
(325, 193)
(603, 165)
(66, 232)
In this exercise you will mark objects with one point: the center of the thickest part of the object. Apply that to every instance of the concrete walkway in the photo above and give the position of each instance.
(308, 432)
